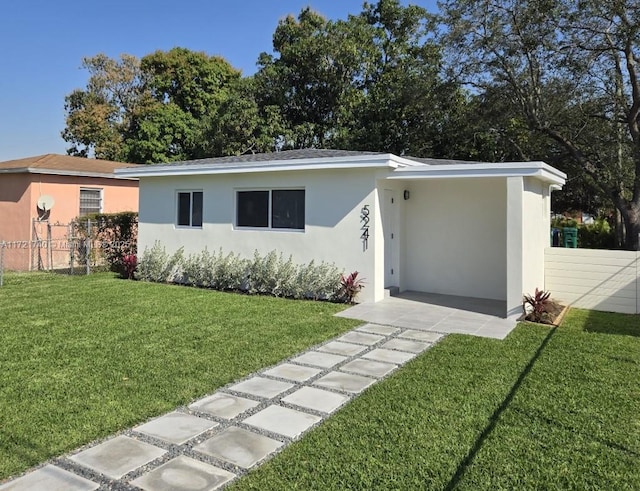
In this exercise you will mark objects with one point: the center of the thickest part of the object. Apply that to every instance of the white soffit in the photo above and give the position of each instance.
(539, 170)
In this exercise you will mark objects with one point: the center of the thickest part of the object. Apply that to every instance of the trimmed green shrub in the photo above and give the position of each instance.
(598, 235)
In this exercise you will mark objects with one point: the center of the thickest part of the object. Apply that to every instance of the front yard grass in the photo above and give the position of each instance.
(84, 357)
(548, 408)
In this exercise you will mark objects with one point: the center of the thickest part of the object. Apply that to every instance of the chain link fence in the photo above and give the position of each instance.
(73, 248)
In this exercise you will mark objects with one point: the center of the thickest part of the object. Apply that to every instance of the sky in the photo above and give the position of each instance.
(42, 43)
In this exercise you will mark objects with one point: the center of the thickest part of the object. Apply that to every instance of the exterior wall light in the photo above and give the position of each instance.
(406, 194)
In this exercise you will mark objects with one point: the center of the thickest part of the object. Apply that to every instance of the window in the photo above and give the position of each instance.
(277, 209)
(190, 209)
(90, 201)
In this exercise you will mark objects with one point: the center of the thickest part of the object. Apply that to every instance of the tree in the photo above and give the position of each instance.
(404, 96)
(157, 109)
(98, 118)
(311, 81)
(571, 70)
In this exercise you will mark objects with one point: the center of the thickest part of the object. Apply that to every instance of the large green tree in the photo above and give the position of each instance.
(158, 109)
(571, 70)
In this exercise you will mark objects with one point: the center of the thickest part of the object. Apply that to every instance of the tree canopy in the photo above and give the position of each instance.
(493, 80)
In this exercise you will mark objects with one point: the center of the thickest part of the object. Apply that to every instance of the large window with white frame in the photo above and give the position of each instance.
(272, 208)
(90, 201)
(189, 209)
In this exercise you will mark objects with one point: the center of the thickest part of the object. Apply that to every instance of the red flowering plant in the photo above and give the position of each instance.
(129, 265)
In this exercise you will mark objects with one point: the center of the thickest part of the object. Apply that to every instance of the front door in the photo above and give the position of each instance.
(390, 226)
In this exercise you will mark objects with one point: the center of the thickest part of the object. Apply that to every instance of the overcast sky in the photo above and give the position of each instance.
(42, 43)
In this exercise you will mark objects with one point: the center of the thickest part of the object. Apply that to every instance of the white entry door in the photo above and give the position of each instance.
(390, 226)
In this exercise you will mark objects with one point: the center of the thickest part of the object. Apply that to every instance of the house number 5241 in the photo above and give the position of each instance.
(364, 227)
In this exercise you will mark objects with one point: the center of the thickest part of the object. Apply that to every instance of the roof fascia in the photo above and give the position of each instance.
(56, 172)
(540, 170)
(325, 163)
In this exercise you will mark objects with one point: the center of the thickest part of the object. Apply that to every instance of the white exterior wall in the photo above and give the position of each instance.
(455, 237)
(333, 200)
(536, 224)
(594, 279)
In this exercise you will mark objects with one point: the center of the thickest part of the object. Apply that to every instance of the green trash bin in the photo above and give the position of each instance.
(570, 237)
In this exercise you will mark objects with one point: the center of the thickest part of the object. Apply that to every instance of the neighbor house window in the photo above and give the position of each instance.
(90, 201)
(190, 209)
(277, 209)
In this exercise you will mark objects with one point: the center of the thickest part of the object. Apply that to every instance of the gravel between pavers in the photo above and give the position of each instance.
(187, 448)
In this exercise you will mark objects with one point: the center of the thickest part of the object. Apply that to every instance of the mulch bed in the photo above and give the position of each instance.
(553, 317)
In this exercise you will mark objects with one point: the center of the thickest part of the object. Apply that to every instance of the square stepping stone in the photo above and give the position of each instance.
(318, 359)
(369, 367)
(389, 356)
(176, 427)
(317, 399)
(345, 381)
(282, 420)
(239, 447)
(183, 473)
(378, 329)
(293, 372)
(426, 336)
(50, 478)
(340, 348)
(223, 405)
(262, 387)
(360, 338)
(406, 345)
(118, 456)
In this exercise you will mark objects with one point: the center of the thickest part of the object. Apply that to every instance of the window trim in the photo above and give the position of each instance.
(269, 227)
(101, 198)
(177, 208)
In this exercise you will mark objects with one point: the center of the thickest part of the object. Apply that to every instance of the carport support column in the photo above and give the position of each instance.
(515, 242)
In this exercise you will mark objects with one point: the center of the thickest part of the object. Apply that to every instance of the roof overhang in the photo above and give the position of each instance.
(376, 161)
(58, 172)
(539, 170)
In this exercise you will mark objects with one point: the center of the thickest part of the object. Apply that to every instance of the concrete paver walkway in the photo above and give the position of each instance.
(222, 436)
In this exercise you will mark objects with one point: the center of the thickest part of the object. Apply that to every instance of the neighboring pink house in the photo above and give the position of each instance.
(76, 186)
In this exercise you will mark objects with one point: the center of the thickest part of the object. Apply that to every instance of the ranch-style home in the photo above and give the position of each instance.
(470, 229)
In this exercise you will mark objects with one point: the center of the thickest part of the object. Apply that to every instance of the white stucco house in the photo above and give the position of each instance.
(452, 227)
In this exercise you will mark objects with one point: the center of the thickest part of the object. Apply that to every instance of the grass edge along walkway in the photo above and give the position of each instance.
(545, 408)
(84, 357)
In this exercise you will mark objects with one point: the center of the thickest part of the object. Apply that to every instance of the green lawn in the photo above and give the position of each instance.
(544, 409)
(83, 357)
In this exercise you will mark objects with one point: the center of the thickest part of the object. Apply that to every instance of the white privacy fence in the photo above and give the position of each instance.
(594, 279)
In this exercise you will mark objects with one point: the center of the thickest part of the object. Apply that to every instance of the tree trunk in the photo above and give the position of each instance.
(631, 219)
